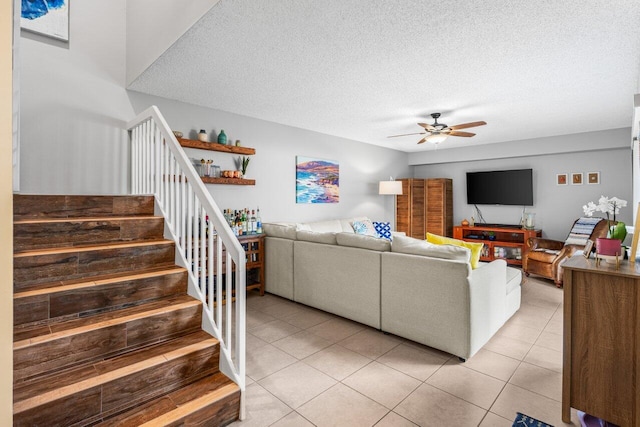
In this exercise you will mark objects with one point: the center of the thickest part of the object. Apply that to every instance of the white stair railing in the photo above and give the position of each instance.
(205, 244)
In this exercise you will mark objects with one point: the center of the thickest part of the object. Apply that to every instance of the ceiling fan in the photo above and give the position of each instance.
(438, 132)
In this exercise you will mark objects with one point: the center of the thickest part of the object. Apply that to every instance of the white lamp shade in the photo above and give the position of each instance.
(390, 187)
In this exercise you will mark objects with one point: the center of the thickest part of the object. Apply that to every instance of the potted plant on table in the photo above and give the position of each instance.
(612, 244)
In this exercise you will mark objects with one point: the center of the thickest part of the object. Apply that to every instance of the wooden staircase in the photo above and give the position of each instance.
(104, 331)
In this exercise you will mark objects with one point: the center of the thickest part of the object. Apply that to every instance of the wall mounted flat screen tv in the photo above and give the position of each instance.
(512, 187)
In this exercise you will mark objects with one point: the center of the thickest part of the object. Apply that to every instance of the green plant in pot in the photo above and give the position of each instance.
(243, 164)
(616, 230)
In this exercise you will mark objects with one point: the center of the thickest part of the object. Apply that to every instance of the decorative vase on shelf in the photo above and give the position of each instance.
(530, 221)
(222, 137)
(609, 247)
(202, 136)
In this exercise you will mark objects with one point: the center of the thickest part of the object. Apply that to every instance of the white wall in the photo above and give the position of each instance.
(273, 165)
(556, 207)
(74, 105)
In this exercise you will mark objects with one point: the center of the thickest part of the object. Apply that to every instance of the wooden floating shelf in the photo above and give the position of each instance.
(229, 181)
(214, 146)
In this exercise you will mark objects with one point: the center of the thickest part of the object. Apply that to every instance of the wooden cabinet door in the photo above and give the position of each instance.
(439, 202)
(410, 208)
(418, 209)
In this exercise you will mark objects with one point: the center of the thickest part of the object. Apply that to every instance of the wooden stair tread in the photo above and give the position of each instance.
(172, 407)
(47, 382)
(193, 406)
(98, 280)
(101, 278)
(92, 247)
(76, 326)
(111, 373)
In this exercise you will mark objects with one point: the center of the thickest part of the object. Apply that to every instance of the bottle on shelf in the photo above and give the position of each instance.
(245, 227)
(258, 222)
(238, 223)
(253, 229)
(222, 137)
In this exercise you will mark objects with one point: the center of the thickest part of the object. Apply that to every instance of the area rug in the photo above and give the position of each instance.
(523, 420)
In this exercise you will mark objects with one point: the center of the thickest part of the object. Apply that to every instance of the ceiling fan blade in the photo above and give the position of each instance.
(457, 133)
(407, 134)
(427, 126)
(467, 125)
(422, 140)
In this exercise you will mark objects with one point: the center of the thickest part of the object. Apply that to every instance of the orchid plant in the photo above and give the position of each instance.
(611, 207)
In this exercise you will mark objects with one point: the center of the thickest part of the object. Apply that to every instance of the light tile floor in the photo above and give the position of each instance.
(309, 368)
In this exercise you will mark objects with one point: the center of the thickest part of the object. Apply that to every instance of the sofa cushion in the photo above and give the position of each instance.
(315, 237)
(363, 242)
(283, 231)
(409, 245)
(383, 229)
(364, 227)
(475, 248)
(333, 225)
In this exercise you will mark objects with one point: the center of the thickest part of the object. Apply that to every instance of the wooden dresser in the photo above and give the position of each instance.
(601, 341)
(426, 205)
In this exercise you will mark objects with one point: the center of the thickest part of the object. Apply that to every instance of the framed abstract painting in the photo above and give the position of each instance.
(317, 180)
(47, 17)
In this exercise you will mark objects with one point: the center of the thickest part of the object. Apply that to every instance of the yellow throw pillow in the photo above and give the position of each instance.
(476, 248)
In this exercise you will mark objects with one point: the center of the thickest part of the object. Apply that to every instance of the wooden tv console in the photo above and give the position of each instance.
(500, 241)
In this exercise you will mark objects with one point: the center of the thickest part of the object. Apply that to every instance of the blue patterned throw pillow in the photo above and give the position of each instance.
(383, 229)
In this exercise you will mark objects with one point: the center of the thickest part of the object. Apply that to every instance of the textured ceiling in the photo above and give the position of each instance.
(363, 69)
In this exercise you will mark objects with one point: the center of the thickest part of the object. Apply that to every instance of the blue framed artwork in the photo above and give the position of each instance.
(47, 17)
(317, 180)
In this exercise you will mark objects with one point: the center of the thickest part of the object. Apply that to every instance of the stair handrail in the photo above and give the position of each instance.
(159, 166)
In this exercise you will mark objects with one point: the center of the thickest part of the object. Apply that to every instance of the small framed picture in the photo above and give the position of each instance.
(588, 248)
(562, 179)
(576, 178)
(593, 178)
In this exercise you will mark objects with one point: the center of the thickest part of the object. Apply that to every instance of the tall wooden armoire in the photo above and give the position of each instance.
(426, 205)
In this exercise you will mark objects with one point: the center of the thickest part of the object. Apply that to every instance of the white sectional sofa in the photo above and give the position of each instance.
(422, 292)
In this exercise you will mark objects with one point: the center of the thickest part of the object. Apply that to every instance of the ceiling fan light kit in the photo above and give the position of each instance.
(438, 132)
(436, 138)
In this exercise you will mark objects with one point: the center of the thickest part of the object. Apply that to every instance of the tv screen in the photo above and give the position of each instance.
(512, 187)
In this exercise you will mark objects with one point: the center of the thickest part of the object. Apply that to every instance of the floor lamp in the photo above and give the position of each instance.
(391, 188)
